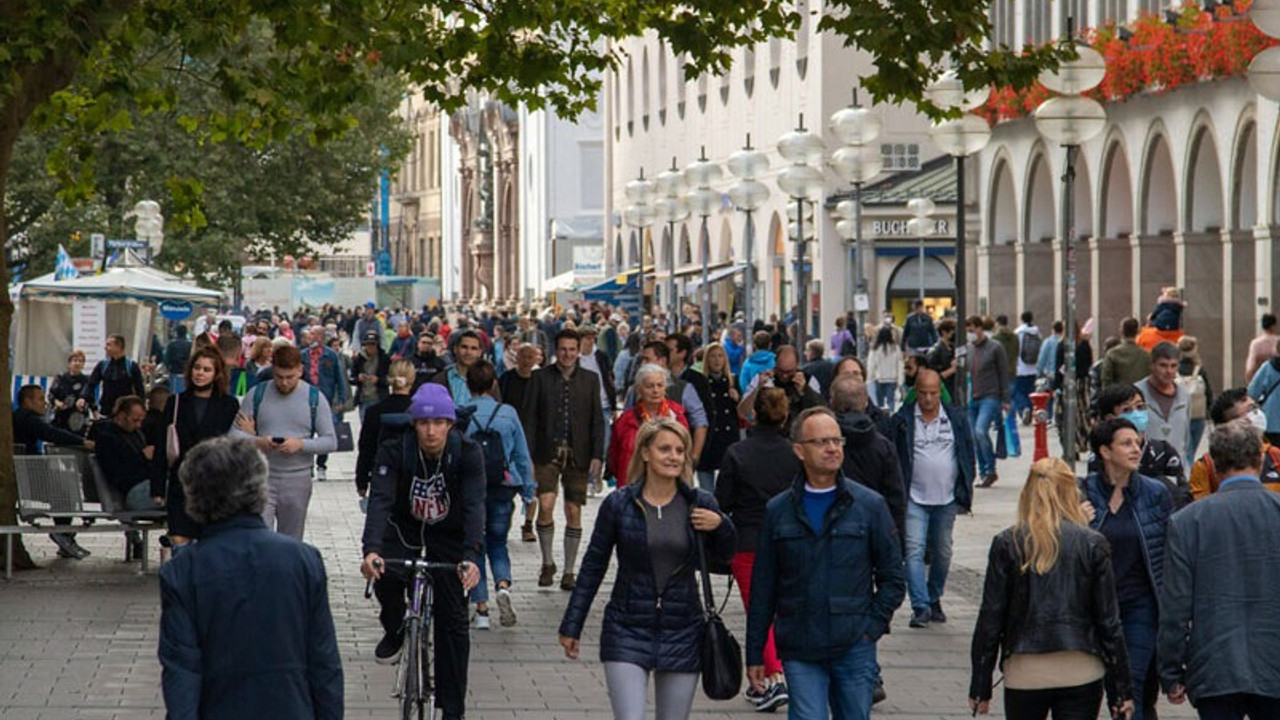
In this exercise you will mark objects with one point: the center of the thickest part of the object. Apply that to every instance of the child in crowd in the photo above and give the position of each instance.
(1167, 314)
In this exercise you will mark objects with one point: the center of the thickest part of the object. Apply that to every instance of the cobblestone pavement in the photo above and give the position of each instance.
(78, 639)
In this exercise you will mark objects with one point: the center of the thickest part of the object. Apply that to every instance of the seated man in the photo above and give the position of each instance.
(125, 457)
(31, 430)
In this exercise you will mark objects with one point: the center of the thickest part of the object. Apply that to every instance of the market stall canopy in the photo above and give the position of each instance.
(136, 283)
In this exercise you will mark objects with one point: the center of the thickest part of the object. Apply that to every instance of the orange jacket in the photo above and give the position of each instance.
(1204, 482)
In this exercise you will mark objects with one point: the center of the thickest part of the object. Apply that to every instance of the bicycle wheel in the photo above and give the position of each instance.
(428, 672)
(411, 674)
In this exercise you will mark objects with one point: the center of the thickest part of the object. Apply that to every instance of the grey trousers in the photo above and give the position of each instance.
(287, 501)
(629, 690)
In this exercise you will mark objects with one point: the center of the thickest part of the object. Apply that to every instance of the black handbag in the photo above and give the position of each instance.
(346, 441)
(721, 653)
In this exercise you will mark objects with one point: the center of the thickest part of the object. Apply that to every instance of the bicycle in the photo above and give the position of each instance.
(414, 685)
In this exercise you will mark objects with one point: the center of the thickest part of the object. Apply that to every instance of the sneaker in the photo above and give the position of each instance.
(482, 620)
(388, 650)
(567, 581)
(920, 618)
(775, 696)
(67, 547)
(526, 533)
(322, 474)
(547, 577)
(988, 480)
(878, 695)
(752, 695)
(506, 614)
(936, 614)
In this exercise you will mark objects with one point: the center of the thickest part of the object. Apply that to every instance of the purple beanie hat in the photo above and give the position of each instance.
(432, 401)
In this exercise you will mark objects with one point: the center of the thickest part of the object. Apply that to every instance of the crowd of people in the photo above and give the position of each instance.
(827, 484)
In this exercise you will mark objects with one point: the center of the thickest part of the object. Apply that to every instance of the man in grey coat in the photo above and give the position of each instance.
(1219, 614)
(1168, 403)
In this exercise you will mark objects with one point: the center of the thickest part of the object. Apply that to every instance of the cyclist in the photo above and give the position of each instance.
(428, 490)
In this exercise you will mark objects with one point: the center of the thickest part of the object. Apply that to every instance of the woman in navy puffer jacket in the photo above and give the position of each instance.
(653, 622)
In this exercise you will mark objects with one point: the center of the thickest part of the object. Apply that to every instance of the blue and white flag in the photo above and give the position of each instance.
(64, 269)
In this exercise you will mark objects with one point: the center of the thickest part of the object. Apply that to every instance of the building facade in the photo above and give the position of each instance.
(1180, 190)
(414, 228)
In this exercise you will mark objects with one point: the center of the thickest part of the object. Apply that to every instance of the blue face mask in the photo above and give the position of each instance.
(1139, 420)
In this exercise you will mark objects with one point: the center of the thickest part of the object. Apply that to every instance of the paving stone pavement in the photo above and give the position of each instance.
(78, 639)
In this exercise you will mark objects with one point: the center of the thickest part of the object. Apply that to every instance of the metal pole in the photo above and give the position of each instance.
(1069, 304)
(921, 268)
(706, 285)
(748, 280)
(673, 318)
(800, 293)
(859, 333)
(961, 383)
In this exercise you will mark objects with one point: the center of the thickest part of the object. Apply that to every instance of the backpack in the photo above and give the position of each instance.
(260, 390)
(848, 348)
(1194, 385)
(1029, 350)
(495, 455)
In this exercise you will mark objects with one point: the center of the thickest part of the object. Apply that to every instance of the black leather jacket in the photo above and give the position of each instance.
(1072, 607)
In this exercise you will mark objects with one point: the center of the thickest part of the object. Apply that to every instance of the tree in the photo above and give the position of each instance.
(537, 52)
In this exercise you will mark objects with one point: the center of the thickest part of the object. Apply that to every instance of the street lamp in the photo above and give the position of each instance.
(704, 201)
(800, 180)
(1264, 71)
(857, 162)
(1070, 120)
(748, 194)
(920, 226)
(672, 209)
(640, 214)
(959, 137)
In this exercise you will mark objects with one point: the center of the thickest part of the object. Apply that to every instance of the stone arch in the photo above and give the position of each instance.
(1203, 186)
(682, 85)
(1115, 192)
(685, 257)
(1244, 174)
(1040, 216)
(618, 259)
(631, 97)
(803, 34)
(644, 88)
(724, 252)
(633, 251)
(1002, 218)
(662, 83)
(1158, 203)
(777, 264)
(749, 70)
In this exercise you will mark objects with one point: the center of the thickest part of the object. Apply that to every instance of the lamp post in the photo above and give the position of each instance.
(857, 162)
(1264, 70)
(1070, 120)
(640, 214)
(799, 181)
(921, 208)
(704, 201)
(672, 209)
(748, 194)
(959, 138)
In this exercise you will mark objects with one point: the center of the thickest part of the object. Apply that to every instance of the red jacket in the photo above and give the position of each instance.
(622, 443)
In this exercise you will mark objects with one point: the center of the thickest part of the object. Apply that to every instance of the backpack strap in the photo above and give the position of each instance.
(259, 391)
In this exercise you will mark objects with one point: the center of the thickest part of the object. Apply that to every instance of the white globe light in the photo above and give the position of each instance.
(793, 231)
(800, 181)
(855, 125)
(671, 182)
(801, 146)
(962, 136)
(948, 92)
(857, 163)
(671, 209)
(748, 163)
(847, 229)
(1264, 73)
(792, 212)
(1077, 76)
(639, 191)
(703, 201)
(748, 194)
(1266, 15)
(921, 207)
(701, 173)
(639, 216)
(1070, 119)
(846, 209)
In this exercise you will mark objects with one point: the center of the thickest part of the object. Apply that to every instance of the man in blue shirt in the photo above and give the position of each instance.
(828, 575)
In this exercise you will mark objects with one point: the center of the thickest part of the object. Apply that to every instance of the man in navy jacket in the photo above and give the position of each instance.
(245, 626)
(828, 574)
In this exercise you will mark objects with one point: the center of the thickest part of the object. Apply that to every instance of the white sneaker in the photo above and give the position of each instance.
(482, 620)
(322, 474)
(506, 613)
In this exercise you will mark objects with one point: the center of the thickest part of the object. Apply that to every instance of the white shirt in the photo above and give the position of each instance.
(933, 465)
(588, 362)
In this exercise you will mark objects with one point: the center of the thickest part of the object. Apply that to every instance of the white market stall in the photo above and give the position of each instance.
(122, 299)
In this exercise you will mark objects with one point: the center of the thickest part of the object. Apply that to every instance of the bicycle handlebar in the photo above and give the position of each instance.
(414, 564)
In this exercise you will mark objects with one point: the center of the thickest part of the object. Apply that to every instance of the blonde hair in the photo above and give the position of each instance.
(718, 349)
(400, 375)
(1049, 498)
(647, 433)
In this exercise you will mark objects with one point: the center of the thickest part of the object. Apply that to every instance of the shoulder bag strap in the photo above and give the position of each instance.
(708, 600)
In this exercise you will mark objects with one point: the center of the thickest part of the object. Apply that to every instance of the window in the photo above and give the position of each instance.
(662, 83)
(631, 99)
(590, 173)
(1037, 20)
(644, 90)
(900, 156)
(802, 39)
(724, 86)
(702, 92)
(775, 61)
(682, 86)
(749, 69)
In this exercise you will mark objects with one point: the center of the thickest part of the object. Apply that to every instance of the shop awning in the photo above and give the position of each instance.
(717, 275)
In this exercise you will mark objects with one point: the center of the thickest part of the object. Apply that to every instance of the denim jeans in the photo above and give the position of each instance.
(177, 383)
(884, 393)
(1138, 620)
(984, 413)
(928, 526)
(1023, 386)
(139, 497)
(497, 522)
(839, 688)
(706, 480)
(1193, 442)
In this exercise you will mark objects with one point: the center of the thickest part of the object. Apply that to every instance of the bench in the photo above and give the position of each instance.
(51, 487)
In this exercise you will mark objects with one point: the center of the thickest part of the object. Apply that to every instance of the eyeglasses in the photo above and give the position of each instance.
(827, 442)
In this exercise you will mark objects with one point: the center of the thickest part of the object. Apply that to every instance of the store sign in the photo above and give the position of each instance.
(89, 328)
(899, 228)
(588, 260)
(175, 309)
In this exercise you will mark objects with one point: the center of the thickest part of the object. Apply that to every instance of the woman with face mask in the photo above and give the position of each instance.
(205, 409)
(1235, 405)
(1160, 459)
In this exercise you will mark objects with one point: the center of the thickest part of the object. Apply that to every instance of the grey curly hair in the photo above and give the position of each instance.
(224, 477)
